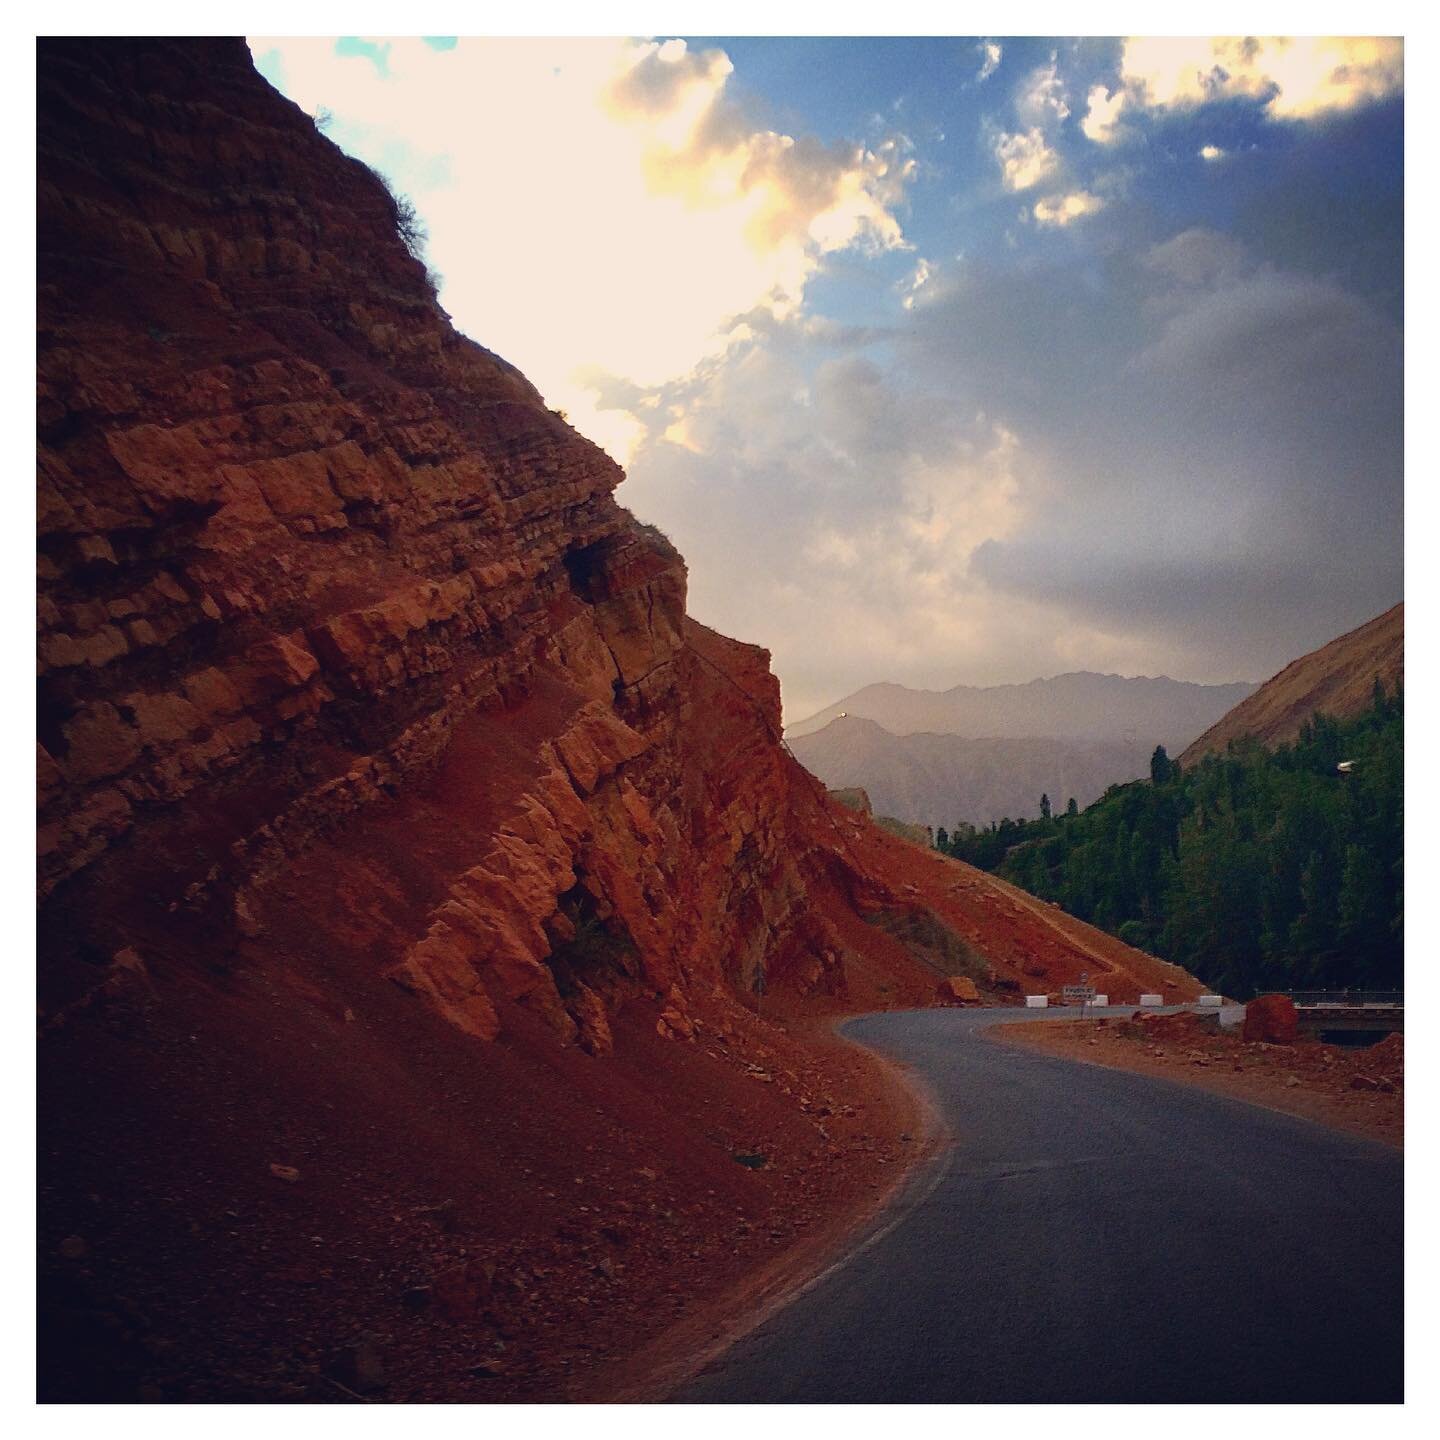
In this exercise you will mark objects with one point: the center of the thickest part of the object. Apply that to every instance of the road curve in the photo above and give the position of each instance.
(1093, 1235)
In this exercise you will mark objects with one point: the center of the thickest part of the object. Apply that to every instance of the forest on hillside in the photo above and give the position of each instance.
(1256, 870)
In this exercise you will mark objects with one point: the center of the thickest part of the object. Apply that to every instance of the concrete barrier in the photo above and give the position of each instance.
(1152, 999)
(1099, 1002)
(1036, 1002)
(1211, 1000)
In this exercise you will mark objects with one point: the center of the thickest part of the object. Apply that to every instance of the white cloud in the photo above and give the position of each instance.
(1102, 114)
(1294, 78)
(1062, 209)
(1042, 100)
(1211, 152)
(991, 51)
(1308, 74)
(919, 277)
(599, 209)
(850, 505)
(1025, 159)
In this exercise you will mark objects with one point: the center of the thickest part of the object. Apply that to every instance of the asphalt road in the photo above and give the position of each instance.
(1092, 1235)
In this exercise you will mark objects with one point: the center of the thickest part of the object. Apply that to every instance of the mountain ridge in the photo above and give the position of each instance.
(1076, 704)
(935, 779)
(1337, 678)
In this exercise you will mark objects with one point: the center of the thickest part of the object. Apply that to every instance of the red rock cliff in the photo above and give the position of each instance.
(409, 862)
(296, 535)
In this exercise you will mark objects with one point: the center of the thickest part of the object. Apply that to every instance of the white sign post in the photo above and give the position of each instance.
(1081, 994)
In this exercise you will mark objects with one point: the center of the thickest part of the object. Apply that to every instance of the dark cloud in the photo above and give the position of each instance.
(1229, 479)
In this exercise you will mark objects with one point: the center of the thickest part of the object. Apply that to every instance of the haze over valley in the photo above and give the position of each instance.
(978, 754)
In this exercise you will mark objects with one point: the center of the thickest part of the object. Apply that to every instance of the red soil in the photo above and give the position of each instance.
(605, 1194)
(1359, 1090)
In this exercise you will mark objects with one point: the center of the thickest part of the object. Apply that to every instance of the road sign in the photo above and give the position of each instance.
(1077, 994)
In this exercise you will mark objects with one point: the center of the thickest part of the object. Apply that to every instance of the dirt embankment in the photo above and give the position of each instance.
(1357, 1089)
(358, 1209)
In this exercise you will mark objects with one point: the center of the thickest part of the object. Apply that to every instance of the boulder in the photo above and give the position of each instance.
(958, 990)
(675, 1022)
(588, 1011)
(1272, 1019)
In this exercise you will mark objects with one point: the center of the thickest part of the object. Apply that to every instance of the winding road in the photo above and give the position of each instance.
(1093, 1235)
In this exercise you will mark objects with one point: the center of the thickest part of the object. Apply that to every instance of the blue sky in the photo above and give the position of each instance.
(957, 360)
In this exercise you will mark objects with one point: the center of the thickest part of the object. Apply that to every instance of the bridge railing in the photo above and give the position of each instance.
(1347, 999)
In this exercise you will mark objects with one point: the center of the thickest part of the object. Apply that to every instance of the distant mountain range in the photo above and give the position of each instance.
(1081, 705)
(977, 754)
(939, 779)
(1338, 678)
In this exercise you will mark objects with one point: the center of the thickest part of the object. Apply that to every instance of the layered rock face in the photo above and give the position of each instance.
(296, 534)
(430, 914)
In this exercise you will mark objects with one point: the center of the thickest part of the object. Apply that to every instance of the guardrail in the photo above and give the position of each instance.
(1348, 999)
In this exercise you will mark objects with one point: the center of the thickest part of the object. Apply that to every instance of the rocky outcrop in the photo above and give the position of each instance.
(312, 563)
(295, 534)
(425, 899)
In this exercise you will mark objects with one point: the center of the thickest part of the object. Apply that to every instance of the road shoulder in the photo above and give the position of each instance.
(659, 1368)
(1332, 1085)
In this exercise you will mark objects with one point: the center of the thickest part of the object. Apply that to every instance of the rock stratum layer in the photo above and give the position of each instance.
(430, 915)
(298, 538)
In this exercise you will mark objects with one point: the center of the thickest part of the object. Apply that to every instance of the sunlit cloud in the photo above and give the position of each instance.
(1041, 100)
(919, 278)
(599, 208)
(1025, 159)
(856, 502)
(1293, 78)
(1027, 156)
(990, 51)
(1102, 114)
(1211, 152)
(1062, 209)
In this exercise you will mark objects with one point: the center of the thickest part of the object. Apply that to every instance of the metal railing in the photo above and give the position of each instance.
(1348, 999)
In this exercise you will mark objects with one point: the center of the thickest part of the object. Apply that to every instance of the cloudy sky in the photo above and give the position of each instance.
(943, 361)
